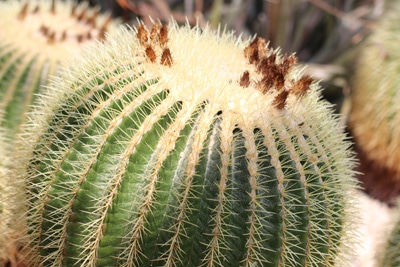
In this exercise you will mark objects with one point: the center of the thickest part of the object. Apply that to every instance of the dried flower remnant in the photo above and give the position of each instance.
(280, 99)
(255, 50)
(245, 79)
(286, 64)
(163, 35)
(154, 33)
(166, 58)
(142, 35)
(158, 40)
(301, 86)
(23, 12)
(151, 54)
(275, 73)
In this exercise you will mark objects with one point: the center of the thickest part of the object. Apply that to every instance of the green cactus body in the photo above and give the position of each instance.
(182, 147)
(4, 209)
(388, 255)
(375, 116)
(35, 38)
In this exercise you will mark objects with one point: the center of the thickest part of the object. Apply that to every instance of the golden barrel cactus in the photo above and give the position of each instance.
(36, 37)
(179, 146)
(374, 120)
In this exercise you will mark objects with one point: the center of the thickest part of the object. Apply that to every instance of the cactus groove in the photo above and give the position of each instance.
(183, 147)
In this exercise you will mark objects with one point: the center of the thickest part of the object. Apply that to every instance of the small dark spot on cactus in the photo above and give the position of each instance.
(107, 21)
(179, 104)
(36, 9)
(236, 130)
(251, 52)
(163, 35)
(280, 100)
(73, 9)
(142, 34)
(92, 19)
(72, 216)
(150, 53)
(279, 80)
(154, 32)
(64, 35)
(257, 131)
(82, 15)
(287, 63)
(51, 38)
(265, 63)
(102, 34)
(255, 50)
(301, 124)
(265, 84)
(79, 38)
(166, 58)
(104, 228)
(301, 86)
(245, 79)
(219, 112)
(23, 12)
(88, 35)
(53, 7)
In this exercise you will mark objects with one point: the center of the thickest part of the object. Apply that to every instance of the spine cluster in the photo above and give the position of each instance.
(273, 74)
(157, 37)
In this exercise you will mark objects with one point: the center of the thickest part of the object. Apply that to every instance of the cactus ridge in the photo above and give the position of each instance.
(126, 171)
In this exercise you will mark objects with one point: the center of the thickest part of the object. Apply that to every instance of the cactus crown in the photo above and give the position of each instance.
(182, 147)
(53, 26)
(35, 39)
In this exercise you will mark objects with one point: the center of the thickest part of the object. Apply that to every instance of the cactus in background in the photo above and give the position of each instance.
(10, 230)
(391, 256)
(35, 38)
(182, 147)
(389, 253)
(374, 120)
(4, 208)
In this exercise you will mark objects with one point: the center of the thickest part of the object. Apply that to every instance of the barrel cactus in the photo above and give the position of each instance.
(35, 38)
(374, 119)
(389, 253)
(180, 146)
(5, 230)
